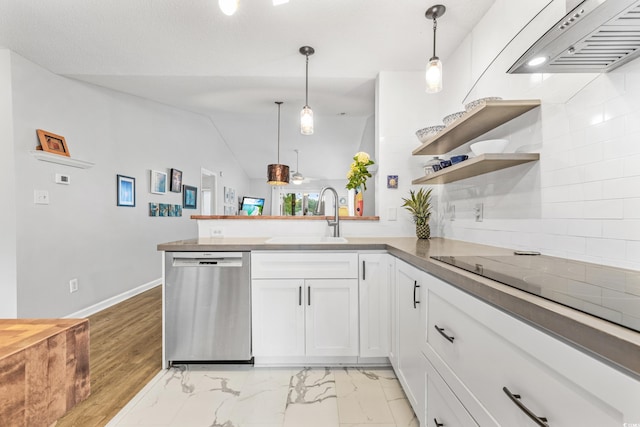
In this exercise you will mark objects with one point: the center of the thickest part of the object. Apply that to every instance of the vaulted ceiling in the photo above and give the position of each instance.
(188, 54)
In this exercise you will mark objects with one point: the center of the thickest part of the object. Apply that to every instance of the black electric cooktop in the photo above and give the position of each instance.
(610, 293)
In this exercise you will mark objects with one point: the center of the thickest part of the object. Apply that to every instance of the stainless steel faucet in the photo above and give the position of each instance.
(335, 223)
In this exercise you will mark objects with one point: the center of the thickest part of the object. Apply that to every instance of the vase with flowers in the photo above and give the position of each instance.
(357, 179)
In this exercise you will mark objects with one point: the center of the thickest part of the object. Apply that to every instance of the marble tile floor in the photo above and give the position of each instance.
(243, 396)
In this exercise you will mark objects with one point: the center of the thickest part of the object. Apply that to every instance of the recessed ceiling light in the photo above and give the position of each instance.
(538, 60)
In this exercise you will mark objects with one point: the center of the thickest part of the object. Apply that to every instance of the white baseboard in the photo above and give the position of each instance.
(86, 312)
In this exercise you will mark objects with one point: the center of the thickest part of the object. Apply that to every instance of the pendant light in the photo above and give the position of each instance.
(228, 7)
(297, 178)
(278, 174)
(306, 115)
(433, 75)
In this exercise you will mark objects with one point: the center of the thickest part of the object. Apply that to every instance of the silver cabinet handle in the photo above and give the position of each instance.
(364, 275)
(515, 398)
(441, 330)
(299, 295)
(308, 295)
(415, 288)
(435, 421)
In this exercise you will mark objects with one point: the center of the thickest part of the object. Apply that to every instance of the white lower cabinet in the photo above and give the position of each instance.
(411, 330)
(508, 373)
(309, 318)
(375, 276)
(442, 406)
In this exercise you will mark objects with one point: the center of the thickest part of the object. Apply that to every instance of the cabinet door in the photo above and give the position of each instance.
(331, 317)
(374, 305)
(278, 317)
(393, 311)
(410, 283)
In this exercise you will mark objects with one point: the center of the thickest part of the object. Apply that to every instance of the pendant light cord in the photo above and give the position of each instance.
(279, 104)
(306, 83)
(435, 26)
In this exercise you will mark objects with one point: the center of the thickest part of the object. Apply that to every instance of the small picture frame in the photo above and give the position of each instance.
(154, 209)
(189, 197)
(158, 182)
(164, 209)
(392, 181)
(126, 187)
(52, 143)
(176, 181)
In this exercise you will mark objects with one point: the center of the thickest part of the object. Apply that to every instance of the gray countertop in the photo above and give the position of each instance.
(614, 344)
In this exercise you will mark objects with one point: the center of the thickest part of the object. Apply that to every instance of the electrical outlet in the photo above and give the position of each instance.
(41, 197)
(216, 232)
(73, 285)
(451, 211)
(479, 211)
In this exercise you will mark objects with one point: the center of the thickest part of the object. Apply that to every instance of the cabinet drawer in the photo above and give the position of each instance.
(443, 407)
(491, 353)
(306, 265)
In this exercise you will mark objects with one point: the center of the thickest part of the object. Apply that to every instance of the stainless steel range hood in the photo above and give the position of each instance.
(595, 36)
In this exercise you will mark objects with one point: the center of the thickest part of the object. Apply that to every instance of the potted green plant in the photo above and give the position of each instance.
(419, 204)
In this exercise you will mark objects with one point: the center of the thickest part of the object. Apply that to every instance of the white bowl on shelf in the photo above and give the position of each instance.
(451, 118)
(426, 133)
(480, 102)
(489, 146)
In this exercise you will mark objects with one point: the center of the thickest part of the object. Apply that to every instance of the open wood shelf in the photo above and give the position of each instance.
(477, 166)
(473, 124)
(61, 160)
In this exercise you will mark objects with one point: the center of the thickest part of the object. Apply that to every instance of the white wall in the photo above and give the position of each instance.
(8, 279)
(82, 233)
(582, 199)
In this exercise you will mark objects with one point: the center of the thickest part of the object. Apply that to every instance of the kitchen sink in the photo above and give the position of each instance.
(305, 240)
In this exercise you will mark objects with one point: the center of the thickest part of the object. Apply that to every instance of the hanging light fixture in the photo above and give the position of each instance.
(306, 115)
(297, 178)
(278, 174)
(433, 74)
(228, 7)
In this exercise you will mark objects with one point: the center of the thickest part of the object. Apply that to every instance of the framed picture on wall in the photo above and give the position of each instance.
(189, 197)
(52, 143)
(126, 188)
(176, 181)
(158, 182)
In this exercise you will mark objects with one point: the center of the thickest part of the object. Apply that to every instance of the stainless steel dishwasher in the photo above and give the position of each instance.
(207, 307)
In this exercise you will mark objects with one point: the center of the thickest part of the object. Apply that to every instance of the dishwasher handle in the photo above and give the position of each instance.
(207, 259)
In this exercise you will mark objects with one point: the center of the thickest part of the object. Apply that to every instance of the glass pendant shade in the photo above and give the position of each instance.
(297, 178)
(306, 121)
(277, 174)
(228, 7)
(433, 75)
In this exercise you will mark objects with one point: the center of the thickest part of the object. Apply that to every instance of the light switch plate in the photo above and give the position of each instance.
(41, 197)
(393, 214)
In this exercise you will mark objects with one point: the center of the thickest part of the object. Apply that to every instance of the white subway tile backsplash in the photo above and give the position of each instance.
(606, 248)
(608, 169)
(571, 243)
(584, 227)
(624, 230)
(605, 131)
(633, 254)
(632, 208)
(622, 188)
(603, 209)
(621, 147)
(632, 166)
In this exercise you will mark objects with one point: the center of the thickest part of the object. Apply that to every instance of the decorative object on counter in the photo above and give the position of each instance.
(489, 146)
(392, 181)
(458, 158)
(357, 176)
(425, 133)
(278, 174)
(297, 178)
(158, 182)
(306, 115)
(126, 187)
(445, 164)
(433, 74)
(176, 181)
(448, 120)
(429, 166)
(52, 143)
(189, 197)
(419, 204)
(480, 102)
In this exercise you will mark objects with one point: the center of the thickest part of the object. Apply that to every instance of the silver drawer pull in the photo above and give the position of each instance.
(435, 421)
(515, 398)
(415, 288)
(441, 330)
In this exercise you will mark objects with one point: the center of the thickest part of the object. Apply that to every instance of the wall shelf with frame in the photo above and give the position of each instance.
(61, 160)
(475, 166)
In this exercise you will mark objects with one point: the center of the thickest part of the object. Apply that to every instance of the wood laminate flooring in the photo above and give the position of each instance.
(125, 354)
